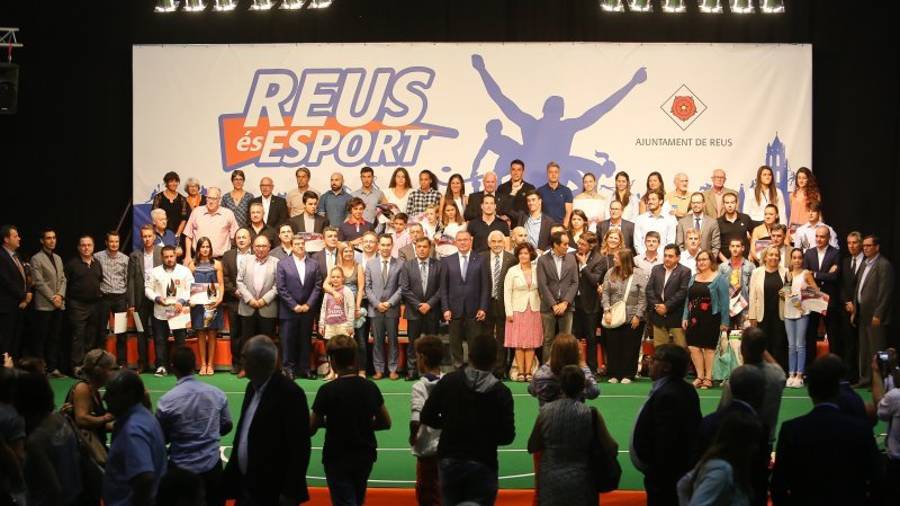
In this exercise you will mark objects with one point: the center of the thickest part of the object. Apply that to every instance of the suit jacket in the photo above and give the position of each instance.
(710, 208)
(12, 285)
(667, 430)
(135, 277)
(589, 277)
(473, 206)
(408, 252)
(520, 292)
(876, 292)
(554, 289)
(518, 201)
(229, 275)
(411, 287)
(544, 234)
(278, 445)
(849, 278)
(507, 260)
(291, 292)
(627, 232)
(246, 284)
(278, 211)
(463, 298)
(298, 224)
(673, 296)
(827, 281)
(49, 281)
(709, 233)
(824, 457)
(378, 290)
(319, 257)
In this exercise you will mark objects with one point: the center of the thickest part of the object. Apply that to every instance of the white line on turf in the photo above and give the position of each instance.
(602, 396)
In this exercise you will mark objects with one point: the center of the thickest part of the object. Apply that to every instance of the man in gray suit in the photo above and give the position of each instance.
(256, 284)
(872, 305)
(557, 277)
(49, 303)
(707, 225)
(140, 263)
(384, 296)
(420, 282)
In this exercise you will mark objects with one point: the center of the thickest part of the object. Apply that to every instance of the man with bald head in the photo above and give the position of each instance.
(212, 221)
(504, 202)
(715, 207)
(333, 203)
(232, 262)
(275, 209)
(679, 198)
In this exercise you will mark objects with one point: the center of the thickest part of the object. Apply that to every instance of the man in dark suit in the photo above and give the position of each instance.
(420, 284)
(408, 252)
(308, 221)
(494, 264)
(537, 224)
(825, 456)
(232, 261)
(275, 209)
(464, 301)
(504, 201)
(516, 188)
(850, 271)
(592, 268)
(824, 262)
(299, 282)
(138, 304)
(328, 256)
(872, 308)
(666, 294)
(615, 221)
(272, 444)
(557, 277)
(14, 294)
(665, 435)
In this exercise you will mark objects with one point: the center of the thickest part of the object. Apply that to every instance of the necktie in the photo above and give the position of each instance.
(853, 266)
(496, 276)
(696, 223)
(384, 271)
(465, 267)
(424, 267)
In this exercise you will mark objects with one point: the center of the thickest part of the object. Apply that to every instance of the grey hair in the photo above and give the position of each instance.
(495, 233)
(157, 213)
(190, 182)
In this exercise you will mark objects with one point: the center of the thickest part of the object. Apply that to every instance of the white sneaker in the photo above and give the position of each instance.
(625, 381)
(798, 382)
(613, 380)
(160, 372)
(790, 382)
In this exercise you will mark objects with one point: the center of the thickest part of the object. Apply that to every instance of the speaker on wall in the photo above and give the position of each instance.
(9, 87)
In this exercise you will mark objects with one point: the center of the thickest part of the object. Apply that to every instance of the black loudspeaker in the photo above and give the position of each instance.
(9, 88)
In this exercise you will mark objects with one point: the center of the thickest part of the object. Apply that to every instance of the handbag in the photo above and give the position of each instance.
(726, 359)
(605, 469)
(88, 442)
(618, 315)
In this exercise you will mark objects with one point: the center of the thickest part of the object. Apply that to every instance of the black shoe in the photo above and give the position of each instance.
(289, 374)
(235, 369)
(412, 377)
(312, 375)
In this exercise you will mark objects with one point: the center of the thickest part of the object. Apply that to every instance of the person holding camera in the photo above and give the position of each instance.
(886, 398)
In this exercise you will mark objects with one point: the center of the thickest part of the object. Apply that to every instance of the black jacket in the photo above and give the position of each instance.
(676, 291)
(589, 277)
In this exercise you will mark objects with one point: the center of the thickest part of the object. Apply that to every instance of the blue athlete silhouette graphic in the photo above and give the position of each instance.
(506, 149)
(548, 137)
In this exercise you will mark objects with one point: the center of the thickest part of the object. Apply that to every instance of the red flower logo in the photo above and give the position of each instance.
(704, 306)
(684, 107)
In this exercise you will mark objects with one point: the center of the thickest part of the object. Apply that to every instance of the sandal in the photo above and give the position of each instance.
(698, 383)
(529, 377)
(520, 378)
(707, 384)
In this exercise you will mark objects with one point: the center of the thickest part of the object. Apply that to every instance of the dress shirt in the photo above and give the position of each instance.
(860, 259)
(300, 263)
(688, 260)
(148, 265)
(464, 264)
(218, 226)
(496, 265)
(330, 260)
(662, 293)
(259, 274)
(533, 229)
(115, 271)
(864, 275)
(249, 413)
(663, 223)
(266, 203)
(309, 223)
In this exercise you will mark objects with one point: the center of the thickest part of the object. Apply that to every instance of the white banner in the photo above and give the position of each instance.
(204, 111)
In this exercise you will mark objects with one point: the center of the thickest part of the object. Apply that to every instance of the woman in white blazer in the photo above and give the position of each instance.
(766, 309)
(522, 304)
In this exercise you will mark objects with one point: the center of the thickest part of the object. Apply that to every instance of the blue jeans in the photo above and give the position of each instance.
(796, 337)
(467, 481)
(347, 484)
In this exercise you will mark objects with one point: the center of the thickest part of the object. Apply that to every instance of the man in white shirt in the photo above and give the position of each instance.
(692, 248)
(654, 220)
(805, 236)
(650, 256)
(169, 287)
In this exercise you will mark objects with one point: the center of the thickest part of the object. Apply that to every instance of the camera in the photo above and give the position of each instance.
(883, 358)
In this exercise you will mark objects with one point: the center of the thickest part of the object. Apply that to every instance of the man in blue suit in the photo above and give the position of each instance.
(463, 299)
(384, 296)
(420, 282)
(824, 262)
(299, 283)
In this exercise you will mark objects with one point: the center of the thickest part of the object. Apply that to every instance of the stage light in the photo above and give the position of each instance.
(261, 5)
(320, 4)
(612, 5)
(771, 6)
(225, 5)
(711, 6)
(292, 5)
(640, 6)
(673, 6)
(194, 5)
(741, 6)
(166, 6)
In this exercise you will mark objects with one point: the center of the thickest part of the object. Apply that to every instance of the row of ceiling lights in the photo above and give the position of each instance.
(705, 6)
(230, 5)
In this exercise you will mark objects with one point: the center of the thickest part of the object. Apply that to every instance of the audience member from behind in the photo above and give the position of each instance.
(825, 456)
(194, 416)
(271, 446)
(137, 455)
(724, 474)
(422, 438)
(12, 441)
(88, 409)
(475, 412)
(663, 446)
(546, 384)
(886, 398)
(351, 409)
(561, 433)
(181, 488)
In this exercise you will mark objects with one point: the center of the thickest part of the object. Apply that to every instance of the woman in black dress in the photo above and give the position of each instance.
(705, 317)
(767, 303)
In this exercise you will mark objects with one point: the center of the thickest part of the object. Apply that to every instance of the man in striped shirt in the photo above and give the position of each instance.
(114, 265)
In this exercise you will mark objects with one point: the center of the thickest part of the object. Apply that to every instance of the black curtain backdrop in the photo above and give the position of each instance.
(67, 154)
